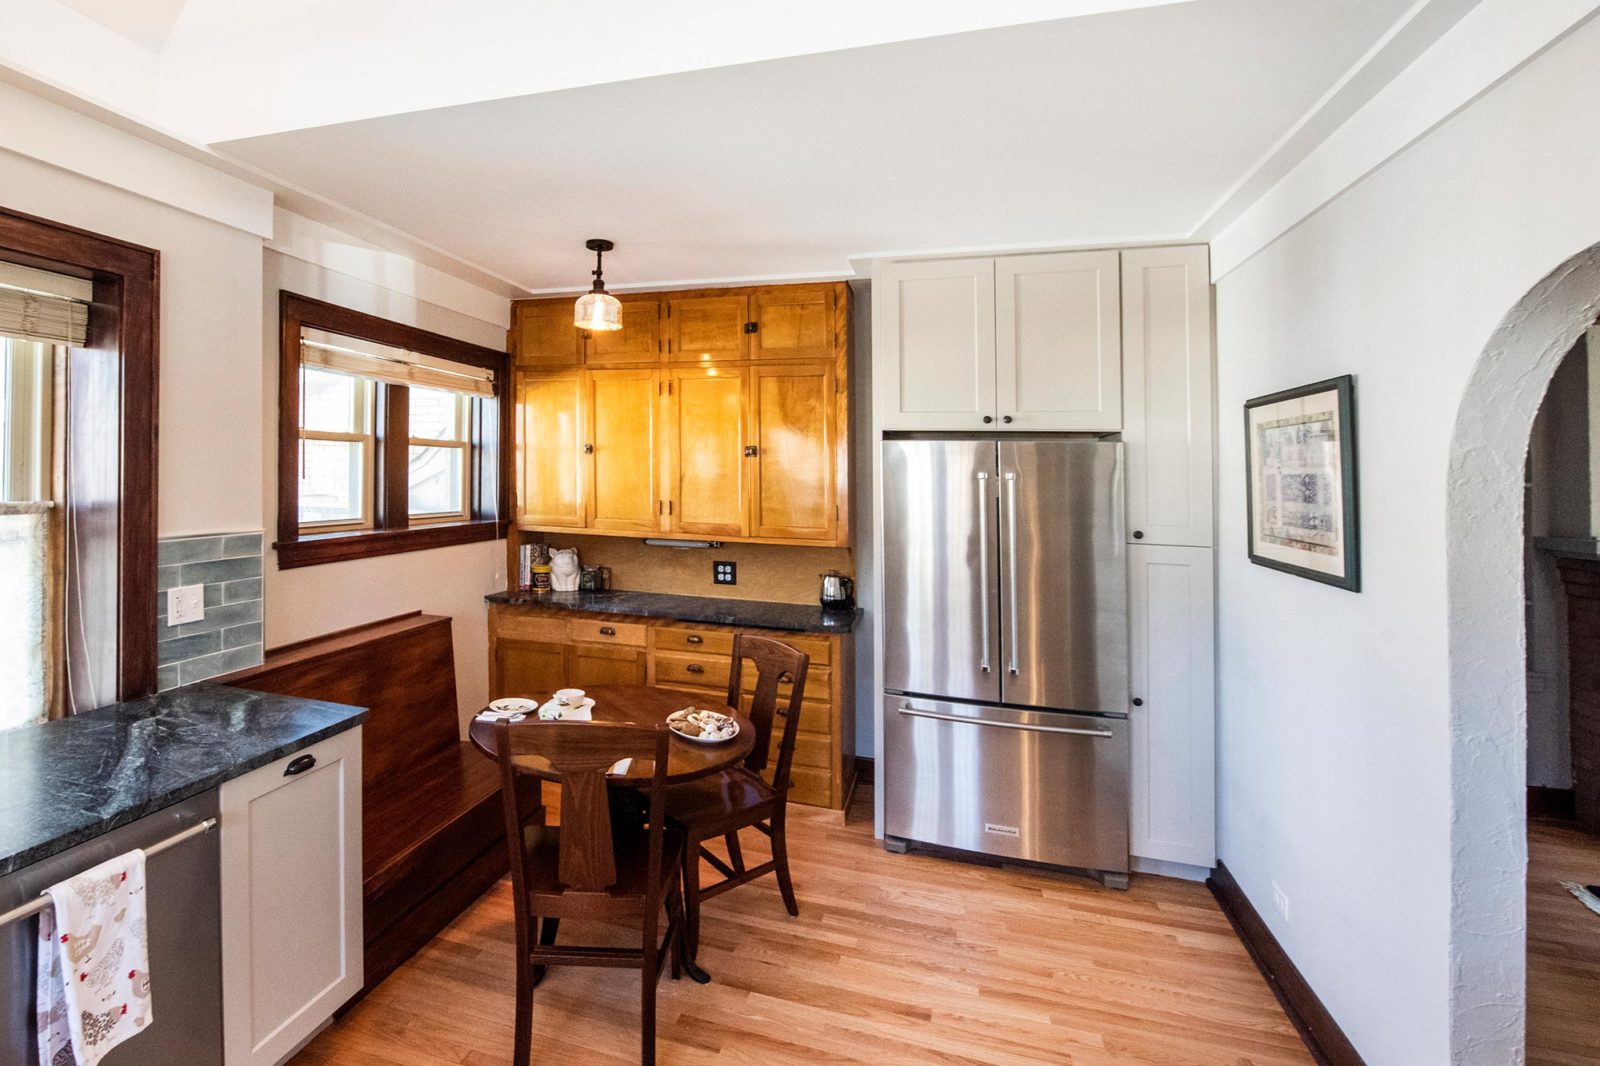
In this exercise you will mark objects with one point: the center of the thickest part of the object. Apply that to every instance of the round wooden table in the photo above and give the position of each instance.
(644, 705)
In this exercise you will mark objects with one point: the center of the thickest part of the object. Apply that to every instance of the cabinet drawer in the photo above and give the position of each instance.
(631, 634)
(696, 641)
(516, 625)
(809, 749)
(809, 785)
(699, 671)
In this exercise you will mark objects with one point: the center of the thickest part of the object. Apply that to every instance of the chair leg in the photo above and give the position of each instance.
(691, 900)
(780, 855)
(649, 975)
(735, 856)
(547, 938)
(522, 1036)
(675, 923)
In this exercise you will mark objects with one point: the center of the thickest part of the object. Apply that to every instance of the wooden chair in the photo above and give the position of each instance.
(721, 805)
(591, 866)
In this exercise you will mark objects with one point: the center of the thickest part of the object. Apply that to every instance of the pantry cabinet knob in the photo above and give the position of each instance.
(1006, 420)
(1137, 702)
(987, 419)
(1138, 534)
(588, 449)
(749, 451)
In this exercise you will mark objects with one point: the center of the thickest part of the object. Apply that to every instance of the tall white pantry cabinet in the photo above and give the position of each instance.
(1110, 343)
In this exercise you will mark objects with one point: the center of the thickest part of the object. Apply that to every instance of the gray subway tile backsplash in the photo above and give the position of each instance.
(229, 637)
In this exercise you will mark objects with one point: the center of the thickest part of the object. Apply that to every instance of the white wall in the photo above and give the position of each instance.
(1335, 731)
(312, 600)
(210, 354)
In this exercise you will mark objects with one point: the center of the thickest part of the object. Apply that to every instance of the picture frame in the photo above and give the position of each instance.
(1301, 482)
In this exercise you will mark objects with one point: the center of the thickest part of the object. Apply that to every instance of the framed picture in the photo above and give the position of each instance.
(1300, 451)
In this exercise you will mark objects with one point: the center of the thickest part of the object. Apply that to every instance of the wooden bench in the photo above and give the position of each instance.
(433, 836)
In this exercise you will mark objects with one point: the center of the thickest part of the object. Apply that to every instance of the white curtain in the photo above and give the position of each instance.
(25, 582)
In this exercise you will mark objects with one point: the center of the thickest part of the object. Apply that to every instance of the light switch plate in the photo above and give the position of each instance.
(186, 603)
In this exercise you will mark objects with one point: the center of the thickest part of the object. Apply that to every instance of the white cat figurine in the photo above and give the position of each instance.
(564, 570)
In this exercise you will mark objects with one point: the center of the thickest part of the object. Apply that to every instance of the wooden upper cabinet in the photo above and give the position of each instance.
(708, 439)
(1058, 341)
(638, 341)
(550, 457)
(793, 322)
(542, 335)
(624, 466)
(707, 329)
(792, 415)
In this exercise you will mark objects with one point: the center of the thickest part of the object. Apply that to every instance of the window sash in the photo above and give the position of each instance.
(464, 448)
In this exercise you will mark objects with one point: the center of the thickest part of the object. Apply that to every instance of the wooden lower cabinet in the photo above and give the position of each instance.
(535, 650)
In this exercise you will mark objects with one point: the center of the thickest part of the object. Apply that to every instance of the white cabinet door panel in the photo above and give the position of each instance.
(1058, 341)
(291, 898)
(933, 342)
(1168, 424)
(1171, 611)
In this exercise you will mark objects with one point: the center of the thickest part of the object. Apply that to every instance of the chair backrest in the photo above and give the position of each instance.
(583, 754)
(776, 663)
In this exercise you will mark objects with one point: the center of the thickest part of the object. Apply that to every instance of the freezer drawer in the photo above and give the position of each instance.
(1035, 785)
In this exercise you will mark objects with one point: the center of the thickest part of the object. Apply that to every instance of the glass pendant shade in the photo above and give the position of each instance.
(598, 311)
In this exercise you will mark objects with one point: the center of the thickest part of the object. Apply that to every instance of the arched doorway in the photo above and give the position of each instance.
(1488, 721)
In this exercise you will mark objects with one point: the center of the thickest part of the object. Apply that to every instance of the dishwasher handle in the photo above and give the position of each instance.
(917, 712)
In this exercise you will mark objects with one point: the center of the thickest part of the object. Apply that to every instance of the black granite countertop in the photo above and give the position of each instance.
(788, 617)
(64, 782)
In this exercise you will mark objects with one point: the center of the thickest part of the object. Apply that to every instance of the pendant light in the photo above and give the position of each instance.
(598, 309)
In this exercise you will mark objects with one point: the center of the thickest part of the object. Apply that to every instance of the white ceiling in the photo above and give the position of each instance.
(1095, 129)
(147, 23)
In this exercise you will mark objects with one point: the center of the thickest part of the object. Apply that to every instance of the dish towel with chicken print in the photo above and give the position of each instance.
(94, 964)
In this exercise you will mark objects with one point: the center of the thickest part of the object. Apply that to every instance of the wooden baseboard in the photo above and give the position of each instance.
(1326, 1041)
(1546, 802)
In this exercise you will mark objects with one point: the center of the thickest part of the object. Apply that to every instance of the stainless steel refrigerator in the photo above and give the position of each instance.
(1005, 615)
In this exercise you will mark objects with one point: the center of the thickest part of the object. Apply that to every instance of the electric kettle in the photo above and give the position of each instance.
(838, 592)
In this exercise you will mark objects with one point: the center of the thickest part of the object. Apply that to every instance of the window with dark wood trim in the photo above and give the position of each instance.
(457, 454)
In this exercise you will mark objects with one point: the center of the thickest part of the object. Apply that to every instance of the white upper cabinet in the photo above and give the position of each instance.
(933, 344)
(1167, 382)
(1173, 721)
(1058, 342)
(1026, 342)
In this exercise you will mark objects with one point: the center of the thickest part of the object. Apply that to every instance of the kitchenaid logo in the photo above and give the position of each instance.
(1000, 830)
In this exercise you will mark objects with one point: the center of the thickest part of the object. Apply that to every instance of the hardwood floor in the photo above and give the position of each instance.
(894, 959)
(1563, 947)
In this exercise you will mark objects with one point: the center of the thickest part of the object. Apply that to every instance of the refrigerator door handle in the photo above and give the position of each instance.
(983, 562)
(1011, 563)
(914, 712)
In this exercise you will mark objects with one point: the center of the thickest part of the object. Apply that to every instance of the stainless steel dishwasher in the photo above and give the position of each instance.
(185, 939)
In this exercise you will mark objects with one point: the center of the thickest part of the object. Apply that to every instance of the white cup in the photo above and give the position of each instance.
(569, 697)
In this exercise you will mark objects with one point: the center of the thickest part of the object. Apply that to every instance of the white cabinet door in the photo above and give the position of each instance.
(291, 898)
(933, 344)
(1167, 381)
(1058, 342)
(1173, 724)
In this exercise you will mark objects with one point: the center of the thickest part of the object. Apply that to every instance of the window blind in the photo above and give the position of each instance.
(397, 366)
(37, 305)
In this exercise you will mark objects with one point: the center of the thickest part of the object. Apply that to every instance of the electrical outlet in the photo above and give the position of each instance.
(1280, 900)
(724, 573)
(186, 603)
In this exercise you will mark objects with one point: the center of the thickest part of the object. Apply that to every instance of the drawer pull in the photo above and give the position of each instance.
(694, 638)
(300, 765)
(695, 668)
(608, 631)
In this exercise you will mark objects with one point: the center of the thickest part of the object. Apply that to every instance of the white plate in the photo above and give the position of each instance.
(705, 739)
(578, 712)
(513, 705)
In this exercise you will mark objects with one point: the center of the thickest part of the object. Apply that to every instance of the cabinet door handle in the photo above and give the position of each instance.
(1137, 702)
(300, 765)
(749, 451)
(588, 449)
(1006, 420)
(608, 631)
(1138, 534)
(695, 668)
(694, 639)
(987, 419)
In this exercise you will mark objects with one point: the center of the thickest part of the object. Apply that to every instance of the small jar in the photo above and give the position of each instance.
(541, 577)
(589, 579)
